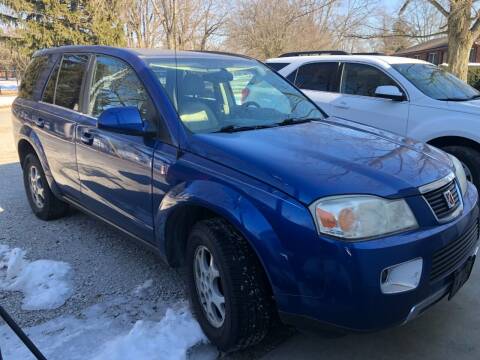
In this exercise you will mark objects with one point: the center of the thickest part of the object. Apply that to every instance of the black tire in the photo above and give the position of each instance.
(52, 208)
(248, 301)
(470, 157)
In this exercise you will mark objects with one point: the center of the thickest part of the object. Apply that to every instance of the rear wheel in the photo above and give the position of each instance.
(470, 159)
(228, 289)
(43, 202)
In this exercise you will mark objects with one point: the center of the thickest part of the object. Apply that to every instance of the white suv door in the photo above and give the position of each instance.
(319, 81)
(357, 100)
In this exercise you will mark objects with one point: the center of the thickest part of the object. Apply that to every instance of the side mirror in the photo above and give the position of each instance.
(124, 120)
(389, 92)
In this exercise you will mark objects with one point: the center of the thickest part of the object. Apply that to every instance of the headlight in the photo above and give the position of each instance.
(460, 174)
(361, 216)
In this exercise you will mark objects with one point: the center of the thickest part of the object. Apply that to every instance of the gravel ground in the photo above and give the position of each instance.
(105, 262)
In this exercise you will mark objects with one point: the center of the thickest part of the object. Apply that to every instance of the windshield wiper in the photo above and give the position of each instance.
(475, 97)
(454, 99)
(291, 121)
(236, 128)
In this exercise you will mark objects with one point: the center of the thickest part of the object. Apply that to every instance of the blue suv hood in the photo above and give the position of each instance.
(321, 158)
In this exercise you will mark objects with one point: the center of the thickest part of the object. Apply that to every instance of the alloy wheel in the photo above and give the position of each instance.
(209, 287)
(37, 188)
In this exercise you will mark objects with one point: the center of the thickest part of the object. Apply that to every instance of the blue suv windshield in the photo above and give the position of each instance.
(437, 83)
(213, 95)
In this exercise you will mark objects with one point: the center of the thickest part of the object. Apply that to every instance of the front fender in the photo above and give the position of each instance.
(243, 212)
(454, 125)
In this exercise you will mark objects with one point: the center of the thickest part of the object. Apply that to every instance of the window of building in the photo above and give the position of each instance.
(433, 58)
(473, 55)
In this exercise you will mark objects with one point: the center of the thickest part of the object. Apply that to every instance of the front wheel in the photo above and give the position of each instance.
(470, 159)
(228, 290)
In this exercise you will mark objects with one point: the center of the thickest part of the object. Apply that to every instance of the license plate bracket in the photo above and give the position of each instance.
(461, 276)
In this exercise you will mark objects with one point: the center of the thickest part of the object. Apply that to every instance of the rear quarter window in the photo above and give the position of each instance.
(277, 66)
(34, 78)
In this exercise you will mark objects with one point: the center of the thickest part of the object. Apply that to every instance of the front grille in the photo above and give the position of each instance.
(438, 201)
(450, 256)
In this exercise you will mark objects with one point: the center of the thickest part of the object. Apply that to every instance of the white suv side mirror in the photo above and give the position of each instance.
(389, 92)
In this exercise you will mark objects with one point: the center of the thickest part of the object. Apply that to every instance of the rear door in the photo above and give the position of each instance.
(357, 101)
(116, 169)
(320, 82)
(56, 116)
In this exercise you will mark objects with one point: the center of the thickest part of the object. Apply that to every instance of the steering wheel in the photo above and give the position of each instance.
(250, 104)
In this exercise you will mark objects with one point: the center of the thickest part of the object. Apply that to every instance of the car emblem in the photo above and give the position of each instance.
(448, 195)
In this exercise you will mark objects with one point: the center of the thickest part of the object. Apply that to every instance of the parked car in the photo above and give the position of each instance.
(271, 209)
(407, 96)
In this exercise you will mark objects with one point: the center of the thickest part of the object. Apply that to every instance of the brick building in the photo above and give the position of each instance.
(436, 51)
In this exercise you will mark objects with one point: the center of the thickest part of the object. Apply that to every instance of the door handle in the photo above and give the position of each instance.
(342, 105)
(86, 138)
(39, 122)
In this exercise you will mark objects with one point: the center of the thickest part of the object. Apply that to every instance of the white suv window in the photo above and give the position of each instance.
(361, 79)
(321, 76)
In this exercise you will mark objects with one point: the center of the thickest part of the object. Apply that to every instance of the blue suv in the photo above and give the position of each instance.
(272, 206)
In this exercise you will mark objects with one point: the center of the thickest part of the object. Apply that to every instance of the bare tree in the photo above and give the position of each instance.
(266, 28)
(142, 24)
(422, 21)
(179, 24)
(463, 22)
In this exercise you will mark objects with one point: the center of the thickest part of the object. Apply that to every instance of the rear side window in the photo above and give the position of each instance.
(49, 92)
(32, 75)
(277, 66)
(69, 82)
(361, 79)
(318, 76)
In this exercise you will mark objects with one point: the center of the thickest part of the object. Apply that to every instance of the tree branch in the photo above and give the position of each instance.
(434, 3)
(439, 7)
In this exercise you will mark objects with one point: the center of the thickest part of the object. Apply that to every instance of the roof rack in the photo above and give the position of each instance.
(312, 53)
(223, 53)
(369, 53)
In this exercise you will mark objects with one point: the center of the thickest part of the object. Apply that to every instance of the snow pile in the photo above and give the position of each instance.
(168, 339)
(45, 284)
(136, 326)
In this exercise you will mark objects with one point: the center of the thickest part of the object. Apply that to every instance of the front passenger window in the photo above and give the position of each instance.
(116, 84)
(360, 79)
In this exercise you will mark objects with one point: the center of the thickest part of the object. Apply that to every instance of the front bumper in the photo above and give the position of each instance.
(340, 287)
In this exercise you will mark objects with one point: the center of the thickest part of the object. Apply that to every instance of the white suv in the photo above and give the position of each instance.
(410, 97)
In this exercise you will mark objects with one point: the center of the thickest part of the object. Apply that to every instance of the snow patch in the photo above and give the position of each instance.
(140, 289)
(45, 284)
(168, 339)
(119, 328)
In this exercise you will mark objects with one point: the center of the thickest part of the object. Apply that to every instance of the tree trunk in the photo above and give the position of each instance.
(460, 39)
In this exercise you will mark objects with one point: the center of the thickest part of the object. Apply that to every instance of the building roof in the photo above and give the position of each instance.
(427, 45)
